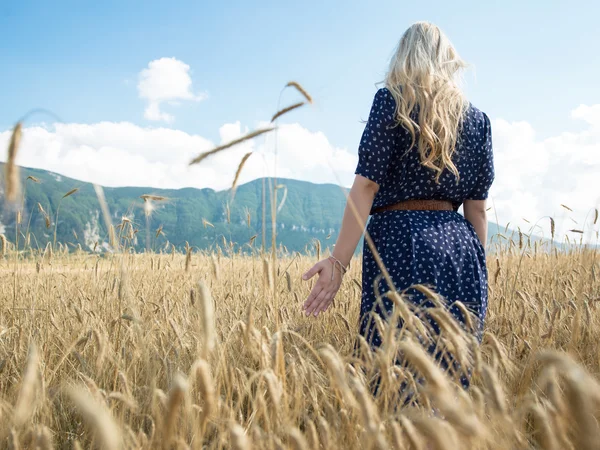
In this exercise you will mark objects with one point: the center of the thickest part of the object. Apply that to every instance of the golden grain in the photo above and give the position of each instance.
(13, 440)
(495, 390)
(12, 173)
(71, 192)
(188, 257)
(438, 432)
(174, 401)
(297, 440)
(43, 438)
(546, 435)
(154, 198)
(220, 148)
(286, 110)
(300, 89)
(3, 246)
(206, 388)
(97, 417)
(278, 379)
(207, 315)
(238, 172)
(268, 275)
(25, 405)
(238, 438)
(414, 438)
(324, 432)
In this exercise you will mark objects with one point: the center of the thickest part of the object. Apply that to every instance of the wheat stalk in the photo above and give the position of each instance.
(24, 408)
(207, 315)
(13, 440)
(286, 110)
(238, 172)
(98, 418)
(71, 192)
(238, 438)
(13, 180)
(336, 368)
(297, 439)
(175, 399)
(205, 386)
(300, 89)
(324, 432)
(220, 148)
(43, 438)
(188, 257)
(3, 246)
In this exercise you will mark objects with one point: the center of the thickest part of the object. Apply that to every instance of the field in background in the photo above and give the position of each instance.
(205, 351)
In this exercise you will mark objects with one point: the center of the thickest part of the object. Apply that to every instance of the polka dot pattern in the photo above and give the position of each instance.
(436, 248)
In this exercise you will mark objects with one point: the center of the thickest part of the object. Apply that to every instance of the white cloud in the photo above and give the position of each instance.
(165, 80)
(591, 114)
(535, 176)
(123, 154)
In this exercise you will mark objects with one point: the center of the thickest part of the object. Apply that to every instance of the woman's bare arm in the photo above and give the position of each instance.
(475, 213)
(361, 196)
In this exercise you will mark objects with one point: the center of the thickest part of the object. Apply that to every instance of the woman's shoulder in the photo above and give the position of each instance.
(384, 105)
(476, 118)
(384, 96)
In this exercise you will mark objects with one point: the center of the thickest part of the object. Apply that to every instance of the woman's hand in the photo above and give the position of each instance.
(356, 214)
(325, 288)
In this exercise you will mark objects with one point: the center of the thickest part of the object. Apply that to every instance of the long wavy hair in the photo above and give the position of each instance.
(423, 78)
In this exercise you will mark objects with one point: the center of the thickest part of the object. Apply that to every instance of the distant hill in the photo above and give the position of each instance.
(201, 217)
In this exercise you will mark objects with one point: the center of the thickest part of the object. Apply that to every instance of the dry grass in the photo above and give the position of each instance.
(135, 351)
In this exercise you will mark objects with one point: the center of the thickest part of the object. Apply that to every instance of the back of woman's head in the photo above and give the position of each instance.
(422, 79)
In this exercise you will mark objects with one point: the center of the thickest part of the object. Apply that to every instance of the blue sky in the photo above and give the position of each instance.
(535, 68)
(532, 61)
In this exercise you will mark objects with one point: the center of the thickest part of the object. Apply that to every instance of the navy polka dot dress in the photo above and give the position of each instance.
(435, 248)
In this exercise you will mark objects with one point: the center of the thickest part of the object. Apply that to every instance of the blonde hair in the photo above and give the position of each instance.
(422, 78)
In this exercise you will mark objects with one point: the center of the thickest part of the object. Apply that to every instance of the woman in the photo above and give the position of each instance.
(425, 151)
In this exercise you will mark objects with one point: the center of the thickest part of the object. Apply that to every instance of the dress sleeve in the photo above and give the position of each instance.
(378, 138)
(486, 175)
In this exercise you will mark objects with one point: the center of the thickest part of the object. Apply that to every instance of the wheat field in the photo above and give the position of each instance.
(211, 351)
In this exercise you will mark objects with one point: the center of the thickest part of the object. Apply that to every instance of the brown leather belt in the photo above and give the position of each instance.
(417, 205)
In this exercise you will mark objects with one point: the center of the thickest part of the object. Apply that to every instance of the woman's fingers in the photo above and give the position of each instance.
(320, 307)
(314, 307)
(312, 271)
(316, 290)
(323, 291)
(324, 305)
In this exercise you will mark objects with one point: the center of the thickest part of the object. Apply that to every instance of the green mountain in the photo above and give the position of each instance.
(202, 217)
